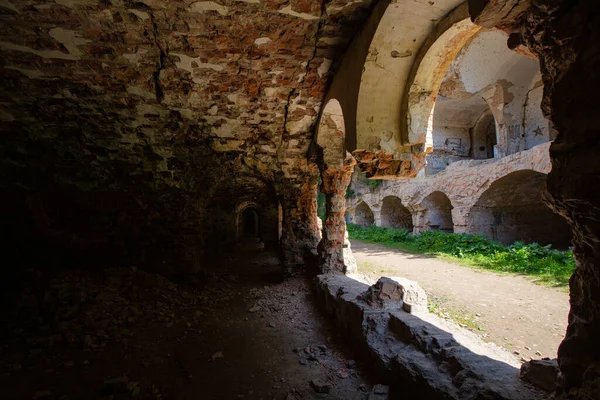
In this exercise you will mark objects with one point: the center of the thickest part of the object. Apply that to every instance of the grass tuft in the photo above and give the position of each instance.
(547, 265)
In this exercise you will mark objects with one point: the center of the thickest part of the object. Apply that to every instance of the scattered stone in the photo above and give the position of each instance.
(351, 364)
(363, 388)
(538, 353)
(271, 325)
(392, 293)
(254, 309)
(342, 374)
(540, 373)
(303, 361)
(320, 386)
(323, 348)
(379, 392)
(217, 355)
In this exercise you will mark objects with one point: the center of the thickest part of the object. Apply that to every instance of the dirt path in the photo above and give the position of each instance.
(508, 310)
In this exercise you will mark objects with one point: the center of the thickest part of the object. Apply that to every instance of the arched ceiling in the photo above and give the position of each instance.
(400, 35)
(90, 88)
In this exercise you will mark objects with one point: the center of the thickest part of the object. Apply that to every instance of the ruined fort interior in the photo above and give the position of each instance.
(161, 164)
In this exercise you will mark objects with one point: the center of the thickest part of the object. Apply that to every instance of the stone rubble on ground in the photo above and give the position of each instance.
(396, 293)
(541, 373)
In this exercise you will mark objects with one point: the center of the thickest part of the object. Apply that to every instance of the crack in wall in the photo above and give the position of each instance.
(159, 92)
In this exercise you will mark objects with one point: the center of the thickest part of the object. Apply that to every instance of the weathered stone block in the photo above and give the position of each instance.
(541, 373)
(393, 293)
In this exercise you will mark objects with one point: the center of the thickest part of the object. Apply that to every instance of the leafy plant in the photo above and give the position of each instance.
(374, 183)
(546, 264)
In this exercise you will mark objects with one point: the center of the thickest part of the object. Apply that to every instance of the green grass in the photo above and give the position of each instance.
(548, 266)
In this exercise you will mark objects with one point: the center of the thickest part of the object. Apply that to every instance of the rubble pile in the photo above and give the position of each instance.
(90, 308)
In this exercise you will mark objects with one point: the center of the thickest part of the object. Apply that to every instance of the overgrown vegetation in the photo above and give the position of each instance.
(547, 265)
(374, 183)
(321, 211)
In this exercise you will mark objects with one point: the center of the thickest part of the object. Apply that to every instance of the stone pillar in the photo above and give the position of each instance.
(299, 221)
(418, 217)
(461, 217)
(376, 216)
(333, 186)
(566, 38)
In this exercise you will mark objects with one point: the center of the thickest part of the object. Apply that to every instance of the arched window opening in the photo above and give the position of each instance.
(250, 223)
(512, 210)
(395, 215)
(437, 212)
(363, 215)
(484, 137)
(487, 104)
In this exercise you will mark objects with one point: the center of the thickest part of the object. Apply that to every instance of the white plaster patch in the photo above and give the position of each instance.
(301, 126)
(228, 129)
(204, 6)
(140, 14)
(69, 39)
(66, 37)
(8, 5)
(75, 3)
(228, 145)
(288, 11)
(271, 92)
(4, 116)
(143, 109)
(139, 91)
(30, 73)
(262, 40)
(134, 58)
(324, 67)
(186, 113)
(185, 62)
(331, 41)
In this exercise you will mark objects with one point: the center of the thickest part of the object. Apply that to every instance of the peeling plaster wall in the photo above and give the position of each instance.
(487, 77)
(400, 34)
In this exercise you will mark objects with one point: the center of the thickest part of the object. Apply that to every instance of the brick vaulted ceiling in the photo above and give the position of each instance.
(104, 92)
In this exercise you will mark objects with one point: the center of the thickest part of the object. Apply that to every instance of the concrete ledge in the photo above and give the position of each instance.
(420, 354)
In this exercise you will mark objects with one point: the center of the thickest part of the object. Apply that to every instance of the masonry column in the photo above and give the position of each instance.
(376, 216)
(333, 186)
(461, 217)
(299, 222)
(418, 217)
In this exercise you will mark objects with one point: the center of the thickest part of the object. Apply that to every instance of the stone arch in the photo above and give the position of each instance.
(363, 215)
(242, 211)
(335, 166)
(330, 135)
(512, 209)
(427, 74)
(395, 215)
(484, 136)
(436, 210)
(403, 35)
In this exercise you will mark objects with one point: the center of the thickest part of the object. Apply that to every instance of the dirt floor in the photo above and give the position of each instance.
(525, 318)
(127, 334)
